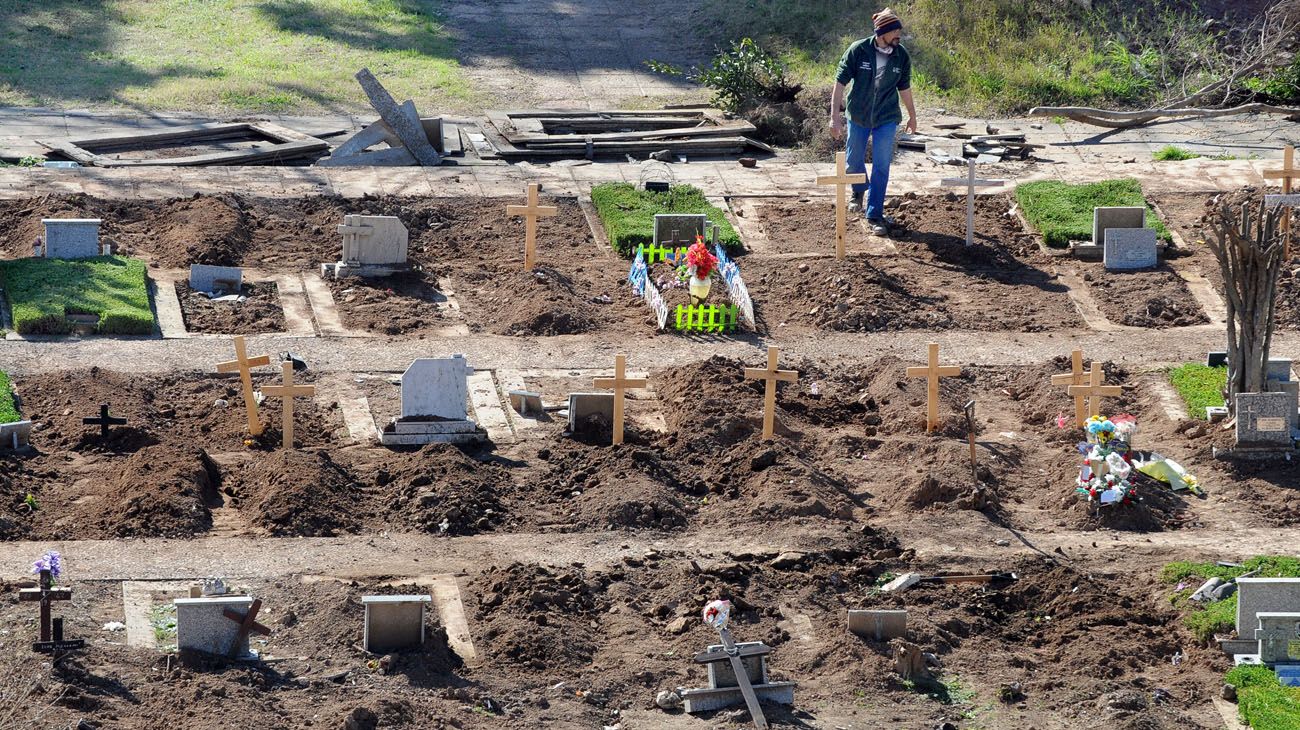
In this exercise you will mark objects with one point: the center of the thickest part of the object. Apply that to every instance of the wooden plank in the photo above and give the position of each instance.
(286, 151)
(67, 148)
(650, 145)
(193, 131)
(618, 124)
(373, 134)
(562, 113)
(549, 139)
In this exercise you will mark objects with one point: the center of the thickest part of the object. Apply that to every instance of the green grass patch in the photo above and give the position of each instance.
(1063, 212)
(8, 409)
(1200, 386)
(226, 57)
(628, 214)
(42, 292)
(1262, 702)
(1173, 153)
(1221, 616)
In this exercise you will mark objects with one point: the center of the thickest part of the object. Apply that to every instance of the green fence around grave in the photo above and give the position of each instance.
(654, 254)
(628, 214)
(8, 407)
(43, 293)
(706, 317)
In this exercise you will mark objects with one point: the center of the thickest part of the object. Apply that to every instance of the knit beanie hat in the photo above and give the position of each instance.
(886, 21)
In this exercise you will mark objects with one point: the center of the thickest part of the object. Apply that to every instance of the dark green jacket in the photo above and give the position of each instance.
(859, 67)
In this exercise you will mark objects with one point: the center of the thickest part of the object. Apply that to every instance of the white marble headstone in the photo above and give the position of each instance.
(433, 387)
(373, 240)
(202, 626)
(71, 238)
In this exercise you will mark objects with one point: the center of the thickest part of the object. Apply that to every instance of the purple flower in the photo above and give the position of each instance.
(50, 561)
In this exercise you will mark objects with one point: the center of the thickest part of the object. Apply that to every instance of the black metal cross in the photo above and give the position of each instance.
(51, 630)
(104, 420)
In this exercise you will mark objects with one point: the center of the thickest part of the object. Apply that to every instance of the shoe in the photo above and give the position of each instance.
(855, 205)
(880, 226)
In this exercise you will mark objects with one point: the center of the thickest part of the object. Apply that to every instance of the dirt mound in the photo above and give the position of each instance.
(156, 492)
(536, 617)
(204, 229)
(394, 305)
(1046, 407)
(26, 214)
(543, 302)
(1151, 299)
(626, 488)
(440, 489)
(938, 223)
(296, 493)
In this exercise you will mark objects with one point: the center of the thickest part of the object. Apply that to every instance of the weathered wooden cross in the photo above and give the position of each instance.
(51, 629)
(970, 182)
(619, 383)
(771, 374)
(1287, 175)
(288, 391)
(243, 364)
(840, 179)
(531, 213)
(932, 372)
(103, 420)
(247, 625)
(1076, 376)
(1094, 390)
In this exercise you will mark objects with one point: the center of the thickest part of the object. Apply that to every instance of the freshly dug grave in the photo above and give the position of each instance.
(259, 313)
(299, 493)
(403, 303)
(1152, 299)
(439, 489)
(934, 281)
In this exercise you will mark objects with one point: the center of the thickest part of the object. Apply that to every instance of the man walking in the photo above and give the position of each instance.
(878, 73)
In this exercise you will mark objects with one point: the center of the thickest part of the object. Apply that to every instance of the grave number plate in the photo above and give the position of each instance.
(1270, 424)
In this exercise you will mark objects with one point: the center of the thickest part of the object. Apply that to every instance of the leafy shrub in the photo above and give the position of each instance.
(1172, 153)
(741, 78)
(628, 214)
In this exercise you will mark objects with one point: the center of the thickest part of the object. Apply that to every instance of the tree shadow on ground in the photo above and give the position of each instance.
(304, 17)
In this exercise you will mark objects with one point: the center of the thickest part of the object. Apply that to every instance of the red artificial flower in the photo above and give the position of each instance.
(698, 256)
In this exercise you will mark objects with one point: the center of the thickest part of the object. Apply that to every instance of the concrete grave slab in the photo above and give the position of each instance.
(1216, 359)
(1264, 595)
(1279, 636)
(525, 402)
(373, 245)
(394, 623)
(1282, 201)
(1128, 249)
(201, 625)
(15, 435)
(204, 277)
(436, 388)
(71, 238)
(584, 405)
(1292, 388)
(1279, 368)
(1264, 420)
(1116, 217)
(878, 625)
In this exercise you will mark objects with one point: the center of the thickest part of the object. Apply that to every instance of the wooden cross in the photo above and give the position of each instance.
(51, 631)
(619, 383)
(351, 229)
(932, 372)
(971, 182)
(1076, 376)
(244, 364)
(1094, 389)
(771, 375)
(247, 625)
(1287, 174)
(839, 180)
(288, 391)
(104, 420)
(531, 213)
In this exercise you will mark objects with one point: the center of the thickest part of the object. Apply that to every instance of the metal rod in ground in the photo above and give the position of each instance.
(970, 435)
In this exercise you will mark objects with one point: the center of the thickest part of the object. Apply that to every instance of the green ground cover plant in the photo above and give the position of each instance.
(1262, 702)
(628, 214)
(1199, 385)
(42, 292)
(8, 409)
(225, 57)
(1173, 153)
(1221, 616)
(1063, 212)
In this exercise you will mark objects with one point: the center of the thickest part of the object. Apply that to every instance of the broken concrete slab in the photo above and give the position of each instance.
(878, 625)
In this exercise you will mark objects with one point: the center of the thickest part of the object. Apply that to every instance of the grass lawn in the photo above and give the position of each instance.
(43, 291)
(1063, 212)
(225, 56)
(628, 214)
(1262, 702)
(1199, 385)
(8, 411)
(1221, 616)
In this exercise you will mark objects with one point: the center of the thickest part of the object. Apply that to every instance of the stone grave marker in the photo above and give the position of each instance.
(878, 625)
(1128, 249)
(434, 396)
(619, 383)
(1279, 636)
(15, 435)
(771, 375)
(394, 623)
(525, 401)
(203, 625)
(1292, 389)
(970, 182)
(841, 180)
(674, 230)
(1264, 420)
(531, 212)
(1104, 218)
(213, 279)
(103, 420)
(51, 636)
(737, 672)
(373, 245)
(1279, 368)
(243, 364)
(71, 238)
(1264, 595)
(1216, 359)
(288, 391)
(932, 372)
(585, 405)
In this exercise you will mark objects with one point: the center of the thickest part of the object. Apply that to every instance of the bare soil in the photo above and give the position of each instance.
(259, 313)
(1154, 298)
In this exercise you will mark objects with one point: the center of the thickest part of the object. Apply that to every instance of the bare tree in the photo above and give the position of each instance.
(1248, 245)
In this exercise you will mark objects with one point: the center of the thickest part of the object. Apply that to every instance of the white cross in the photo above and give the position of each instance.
(351, 229)
(971, 182)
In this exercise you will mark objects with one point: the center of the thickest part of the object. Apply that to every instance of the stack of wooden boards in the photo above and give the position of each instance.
(554, 133)
(983, 148)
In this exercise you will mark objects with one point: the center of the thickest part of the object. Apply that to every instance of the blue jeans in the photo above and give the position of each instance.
(882, 154)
